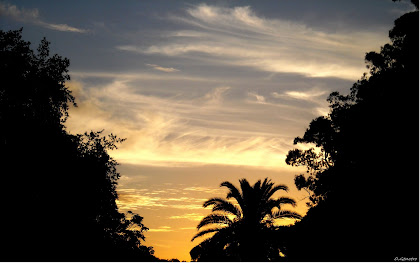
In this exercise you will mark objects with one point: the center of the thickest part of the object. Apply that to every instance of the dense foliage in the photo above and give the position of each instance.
(59, 189)
(244, 229)
(363, 183)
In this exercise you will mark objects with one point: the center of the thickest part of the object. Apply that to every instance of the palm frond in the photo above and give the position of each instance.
(277, 188)
(227, 207)
(246, 189)
(214, 219)
(266, 208)
(266, 186)
(257, 185)
(286, 200)
(286, 214)
(212, 201)
(220, 204)
(202, 233)
(233, 192)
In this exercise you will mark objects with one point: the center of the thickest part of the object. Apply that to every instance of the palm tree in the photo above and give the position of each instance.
(241, 229)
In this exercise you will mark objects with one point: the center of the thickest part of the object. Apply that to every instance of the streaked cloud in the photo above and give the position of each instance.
(188, 228)
(197, 206)
(189, 216)
(162, 68)
(201, 189)
(132, 199)
(300, 95)
(32, 16)
(131, 76)
(215, 96)
(315, 95)
(237, 36)
(177, 130)
(259, 98)
(161, 229)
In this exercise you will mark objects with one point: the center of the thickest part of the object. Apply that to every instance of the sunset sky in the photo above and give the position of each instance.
(204, 92)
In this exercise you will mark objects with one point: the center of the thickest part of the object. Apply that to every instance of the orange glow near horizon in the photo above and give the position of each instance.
(172, 205)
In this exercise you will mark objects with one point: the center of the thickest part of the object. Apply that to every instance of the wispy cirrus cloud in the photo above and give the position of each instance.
(259, 98)
(314, 95)
(32, 16)
(301, 95)
(237, 36)
(176, 130)
(157, 67)
(215, 96)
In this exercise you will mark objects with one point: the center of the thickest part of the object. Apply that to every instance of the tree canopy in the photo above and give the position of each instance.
(363, 180)
(59, 189)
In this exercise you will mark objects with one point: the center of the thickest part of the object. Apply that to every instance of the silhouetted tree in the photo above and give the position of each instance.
(241, 229)
(59, 190)
(363, 183)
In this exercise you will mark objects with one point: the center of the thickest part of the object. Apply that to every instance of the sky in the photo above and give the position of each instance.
(203, 91)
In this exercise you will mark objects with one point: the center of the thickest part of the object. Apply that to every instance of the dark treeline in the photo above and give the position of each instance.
(58, 189)
(363, 186)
